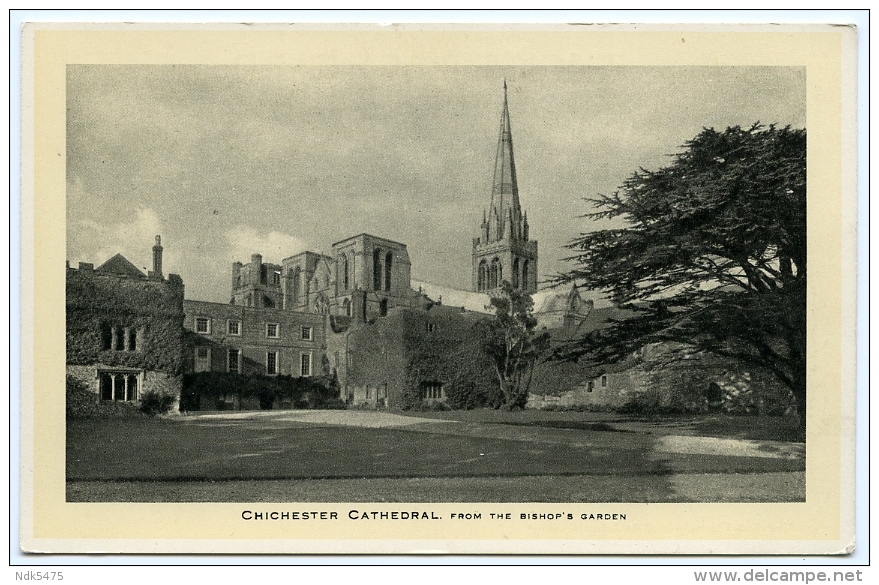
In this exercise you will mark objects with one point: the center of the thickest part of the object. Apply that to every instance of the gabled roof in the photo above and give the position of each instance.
(561, 300)
(119, 264)
(452, 297)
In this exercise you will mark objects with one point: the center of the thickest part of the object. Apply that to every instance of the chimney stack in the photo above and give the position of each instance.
(157, 257)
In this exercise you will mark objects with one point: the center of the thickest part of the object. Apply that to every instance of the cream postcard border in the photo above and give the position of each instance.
(824, 524)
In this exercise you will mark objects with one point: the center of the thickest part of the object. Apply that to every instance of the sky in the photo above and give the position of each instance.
(227, 161)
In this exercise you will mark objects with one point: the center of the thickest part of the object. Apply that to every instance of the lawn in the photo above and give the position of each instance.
(273, 446)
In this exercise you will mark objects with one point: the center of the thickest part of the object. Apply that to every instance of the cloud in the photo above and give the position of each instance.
(273, 246)
(96, 242)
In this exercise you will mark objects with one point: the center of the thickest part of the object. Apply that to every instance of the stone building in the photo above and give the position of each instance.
(125, 328)
(316, 283)
(376, 327)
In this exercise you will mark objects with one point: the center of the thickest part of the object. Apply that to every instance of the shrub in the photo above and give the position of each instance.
(334, 404)
(314, 392)
(433, 406)
(153, 403)
(81, 401)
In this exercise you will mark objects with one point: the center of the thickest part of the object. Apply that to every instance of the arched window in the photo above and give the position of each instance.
(482, 276)
(377, 270)
(344, 268)
(515, 274)
(389, 260)
(496, 274)
(525, 275)
(346, 305)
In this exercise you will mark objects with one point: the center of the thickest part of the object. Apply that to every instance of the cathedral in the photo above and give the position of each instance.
(366, 275)
(353, 315)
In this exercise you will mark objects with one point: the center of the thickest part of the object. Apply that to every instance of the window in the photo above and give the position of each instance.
(276, 277)
(118, 386)
(604, 381)
(431, 327)
(377, 270)
(132, 339)
(516, 273)
(343, 265)
(272, 330)
(389, 260)
(114, 338)
(202, 325)
(590, 386)
(432, 390)
(233, 327)
(271, 363)
(234, 364)
(495, 275)
(202, 359)
(383, 307)
(482, 282)
(106, 337)
(346, 305)
(118, 339)
(307, 333)
(305, 364)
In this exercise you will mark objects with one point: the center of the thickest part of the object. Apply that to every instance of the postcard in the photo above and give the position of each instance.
(438, 289)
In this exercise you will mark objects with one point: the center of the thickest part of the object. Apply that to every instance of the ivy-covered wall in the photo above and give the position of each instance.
(444, 345)
(150, 308)
(376, 360)
(410, 346)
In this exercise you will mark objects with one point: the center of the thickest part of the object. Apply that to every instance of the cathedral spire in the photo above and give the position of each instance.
(504, 251)
(505, 189)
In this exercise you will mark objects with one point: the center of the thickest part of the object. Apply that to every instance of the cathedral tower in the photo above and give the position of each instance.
(503, 251)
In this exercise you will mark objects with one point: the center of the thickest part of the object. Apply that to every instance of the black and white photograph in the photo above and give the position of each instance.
(530, 287)
(436, 284)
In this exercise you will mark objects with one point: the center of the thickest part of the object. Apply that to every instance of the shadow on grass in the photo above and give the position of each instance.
(558, 424)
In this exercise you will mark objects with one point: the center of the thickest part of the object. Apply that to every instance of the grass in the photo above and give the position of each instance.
(526, 444)
(146, 449)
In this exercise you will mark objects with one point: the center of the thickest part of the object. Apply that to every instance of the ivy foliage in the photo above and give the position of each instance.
(301, 392)
(451, 354)
(95, 302)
